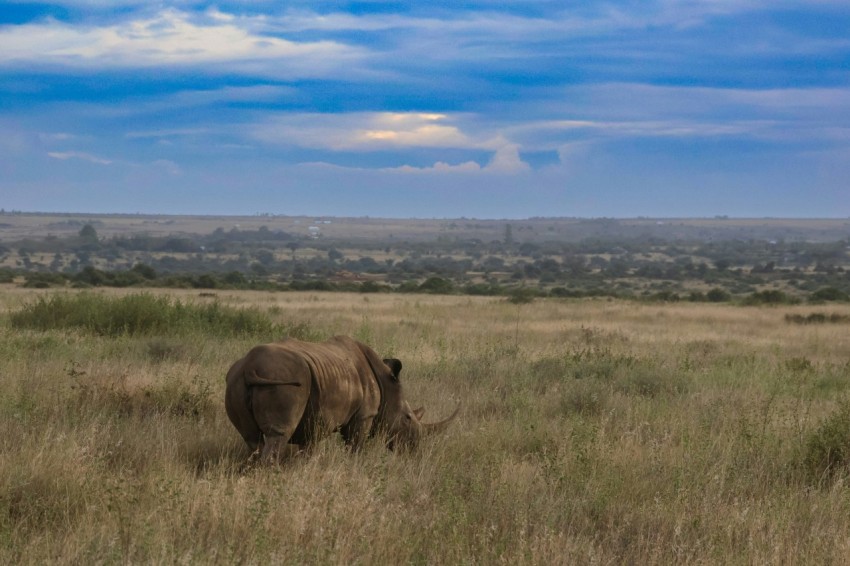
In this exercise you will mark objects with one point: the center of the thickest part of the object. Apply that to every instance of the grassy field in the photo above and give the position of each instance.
(592, 431)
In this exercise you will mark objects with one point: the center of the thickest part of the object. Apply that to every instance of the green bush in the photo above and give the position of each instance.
(770, 297)
(522, 295)
(563, 292)
(829, 294)
(717, 295)
(144, 270)
(664, 297)
(373, 287)
(827, 449)
(144, 314)
(437, 285)
(817, 318)
(44, 280)
(483, 289)
(312, 285)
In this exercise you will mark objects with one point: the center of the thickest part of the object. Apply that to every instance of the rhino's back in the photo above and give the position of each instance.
(335, 374)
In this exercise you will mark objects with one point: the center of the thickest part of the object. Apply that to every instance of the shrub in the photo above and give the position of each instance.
(717, 295)
(696, 296)
(91, 276)
(829, 294)
(145, 271)
(372, 287)
(563, 292)
(665, 297)
(142, 314)
(408, 287)
(816, 318)
(312, 285)
(437, 285)
(44, 280)
(522, 296)
(234, 278)
(827, 449)
(484, 289)
(206, 281)
(770, 297)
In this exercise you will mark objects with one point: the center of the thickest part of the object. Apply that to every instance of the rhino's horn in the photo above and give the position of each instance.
(433, 428)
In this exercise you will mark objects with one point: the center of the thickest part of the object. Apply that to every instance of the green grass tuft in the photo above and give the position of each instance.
(145, 314)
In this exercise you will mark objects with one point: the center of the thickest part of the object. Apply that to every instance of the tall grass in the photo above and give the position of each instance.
(591, 432)
(145, 314)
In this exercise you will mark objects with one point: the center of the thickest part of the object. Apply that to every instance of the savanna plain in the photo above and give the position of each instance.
(592, 431)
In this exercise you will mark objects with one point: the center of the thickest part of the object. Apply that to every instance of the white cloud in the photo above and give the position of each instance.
(439, 167)
(65, 155)
(170, 37)
(556, 130)
(620, 110)
(409, 130)
(366, 131)
(458, 22)
(167, 133)
(95, 4)
(50, 137)
(374, 131)
(506, 160)
(504, 31)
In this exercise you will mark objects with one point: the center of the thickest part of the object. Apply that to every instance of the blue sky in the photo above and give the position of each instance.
(481, 109)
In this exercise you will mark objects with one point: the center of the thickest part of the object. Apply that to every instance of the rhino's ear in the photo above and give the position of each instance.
(395, 366)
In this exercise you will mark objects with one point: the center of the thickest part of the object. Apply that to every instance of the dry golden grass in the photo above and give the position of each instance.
(592, 431)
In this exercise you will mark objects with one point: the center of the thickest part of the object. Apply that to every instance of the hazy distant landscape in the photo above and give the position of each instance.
(16, 225)
(710, 259)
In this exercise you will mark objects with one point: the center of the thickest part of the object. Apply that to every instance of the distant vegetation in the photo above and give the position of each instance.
(535, 261)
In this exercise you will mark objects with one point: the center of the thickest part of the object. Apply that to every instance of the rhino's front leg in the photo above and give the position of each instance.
(356, 432)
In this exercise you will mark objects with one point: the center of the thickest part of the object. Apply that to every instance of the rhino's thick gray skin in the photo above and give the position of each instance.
(293, 392)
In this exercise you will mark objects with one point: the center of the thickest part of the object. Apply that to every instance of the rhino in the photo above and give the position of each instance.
(284, 396)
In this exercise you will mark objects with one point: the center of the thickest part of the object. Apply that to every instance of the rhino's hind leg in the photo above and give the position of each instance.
(237, 402)
(276, 449)
(277, 410)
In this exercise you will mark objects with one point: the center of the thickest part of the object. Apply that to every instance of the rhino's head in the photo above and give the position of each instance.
(403, 424)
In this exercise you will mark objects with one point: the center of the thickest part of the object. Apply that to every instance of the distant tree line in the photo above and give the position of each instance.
(644, 267)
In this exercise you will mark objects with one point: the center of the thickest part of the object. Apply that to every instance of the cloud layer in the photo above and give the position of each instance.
(658, 108)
